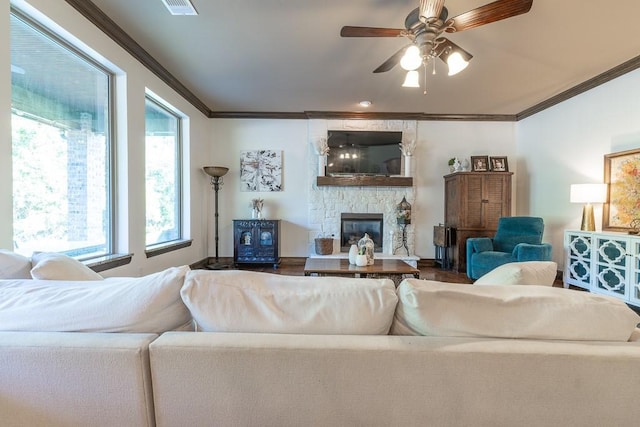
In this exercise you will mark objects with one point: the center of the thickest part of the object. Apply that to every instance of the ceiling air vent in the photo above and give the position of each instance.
(180, 7)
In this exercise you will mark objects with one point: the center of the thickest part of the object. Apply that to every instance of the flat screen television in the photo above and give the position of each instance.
(364, 153)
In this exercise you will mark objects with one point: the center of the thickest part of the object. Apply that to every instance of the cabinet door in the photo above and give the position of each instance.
(578, 259)
(473, 202)
(496, 199)
(634, 272)
(610, 261)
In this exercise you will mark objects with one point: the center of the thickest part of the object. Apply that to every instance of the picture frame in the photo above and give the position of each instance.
(623, 190)
(499, 164)
(480, 163)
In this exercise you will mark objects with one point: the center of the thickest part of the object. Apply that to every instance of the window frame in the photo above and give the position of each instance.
(81, 53)
(181, 242)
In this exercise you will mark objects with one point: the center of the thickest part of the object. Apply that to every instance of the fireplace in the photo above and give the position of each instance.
(354, 225)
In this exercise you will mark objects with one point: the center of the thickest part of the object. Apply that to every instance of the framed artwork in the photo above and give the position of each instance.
(479, 163)
(261, 170)
(499, 164)
(622, 176)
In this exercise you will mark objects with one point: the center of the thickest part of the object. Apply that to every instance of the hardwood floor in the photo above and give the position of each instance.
(295, 267)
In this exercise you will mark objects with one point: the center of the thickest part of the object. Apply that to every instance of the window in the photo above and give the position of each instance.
(60, 120)
(163, 172)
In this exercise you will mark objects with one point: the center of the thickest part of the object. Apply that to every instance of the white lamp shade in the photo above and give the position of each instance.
(412, 79)
(588, 193)
(456, 63)
(411, 59)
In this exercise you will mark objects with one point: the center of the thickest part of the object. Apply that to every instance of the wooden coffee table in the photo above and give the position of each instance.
(393, 269)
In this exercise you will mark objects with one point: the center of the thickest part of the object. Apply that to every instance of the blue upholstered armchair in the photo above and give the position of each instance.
(518, 238)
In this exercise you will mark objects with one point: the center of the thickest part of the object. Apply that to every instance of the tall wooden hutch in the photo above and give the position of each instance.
(473, 202)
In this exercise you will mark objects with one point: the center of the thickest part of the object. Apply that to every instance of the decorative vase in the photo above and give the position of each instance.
(361, 260)
(353, 253)
(407, 165)
(368, 246)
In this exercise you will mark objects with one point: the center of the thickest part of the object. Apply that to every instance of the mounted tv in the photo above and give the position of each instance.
(364, 153)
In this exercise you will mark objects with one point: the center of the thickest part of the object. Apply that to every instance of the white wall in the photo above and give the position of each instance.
(566, 144)
(133, 79)
(231, 137)
(437, 142)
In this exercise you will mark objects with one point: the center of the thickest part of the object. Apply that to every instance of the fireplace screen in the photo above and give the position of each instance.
(354, 225)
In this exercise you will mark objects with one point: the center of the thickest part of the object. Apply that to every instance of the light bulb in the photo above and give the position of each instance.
(411, 59)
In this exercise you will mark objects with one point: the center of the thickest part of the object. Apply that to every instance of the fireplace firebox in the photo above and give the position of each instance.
(354, 225)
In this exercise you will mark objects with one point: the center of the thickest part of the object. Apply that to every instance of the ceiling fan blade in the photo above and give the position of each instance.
(430, 9)
(348, 31)
(492, 12)
(392, 61)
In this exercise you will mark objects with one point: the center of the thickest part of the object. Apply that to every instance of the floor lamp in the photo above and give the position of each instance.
(216, 173)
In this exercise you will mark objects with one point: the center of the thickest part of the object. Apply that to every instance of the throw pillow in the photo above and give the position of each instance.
(149, 304)
(55, 266)
(535, 312)
(521, 273)
(246, 301)
(14, 266)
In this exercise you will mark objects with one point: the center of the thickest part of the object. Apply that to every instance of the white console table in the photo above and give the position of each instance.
(603, 262)
(411, 260)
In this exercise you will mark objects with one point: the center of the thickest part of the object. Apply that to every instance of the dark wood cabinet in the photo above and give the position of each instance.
(473, 202)
(256, 241)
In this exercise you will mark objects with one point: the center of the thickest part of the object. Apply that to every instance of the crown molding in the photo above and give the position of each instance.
(607, 76)
(359, 115)
(90, 11)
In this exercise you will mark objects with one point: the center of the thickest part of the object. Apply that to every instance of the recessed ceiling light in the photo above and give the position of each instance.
(365, 103)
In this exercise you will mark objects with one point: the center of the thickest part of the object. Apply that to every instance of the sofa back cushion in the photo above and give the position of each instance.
(120, 304)
(542, 273)
(535, 312)
(245, 301)
(14, 266)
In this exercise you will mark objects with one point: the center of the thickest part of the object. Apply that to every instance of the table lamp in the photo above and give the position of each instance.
(588, 194)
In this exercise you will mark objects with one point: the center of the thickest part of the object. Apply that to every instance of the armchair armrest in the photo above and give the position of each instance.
(529, 252)
(479, 244)
(476, 245)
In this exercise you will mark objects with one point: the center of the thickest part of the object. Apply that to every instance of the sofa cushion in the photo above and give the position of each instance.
(521, 273)
(245, 301)
(536, 312)
(14, 266)
(56, 266)
(120, 304)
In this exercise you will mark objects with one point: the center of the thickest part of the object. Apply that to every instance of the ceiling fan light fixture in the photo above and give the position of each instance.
(456, 63)
(411, 60)
(412, 79)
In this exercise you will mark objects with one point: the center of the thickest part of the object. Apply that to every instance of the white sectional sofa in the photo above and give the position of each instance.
(273, 350)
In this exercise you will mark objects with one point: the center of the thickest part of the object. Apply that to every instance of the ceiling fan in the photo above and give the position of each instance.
(424, 27)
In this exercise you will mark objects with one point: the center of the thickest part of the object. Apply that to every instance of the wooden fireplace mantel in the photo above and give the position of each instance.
(365, 181)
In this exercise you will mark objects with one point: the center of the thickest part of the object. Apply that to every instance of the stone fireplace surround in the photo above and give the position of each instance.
(326, 203)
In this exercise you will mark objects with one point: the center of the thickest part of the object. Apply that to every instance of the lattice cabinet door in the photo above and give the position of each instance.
(634, 272)
(578, 259)
(611, 265)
